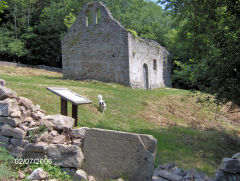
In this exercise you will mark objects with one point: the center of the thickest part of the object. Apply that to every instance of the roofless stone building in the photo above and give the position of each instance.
(98, 47)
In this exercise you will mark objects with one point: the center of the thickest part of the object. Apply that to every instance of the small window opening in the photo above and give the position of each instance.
(98, 16)
(154, 64)
(88, 18)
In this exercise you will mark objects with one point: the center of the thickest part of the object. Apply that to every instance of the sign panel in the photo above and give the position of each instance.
(69, 95)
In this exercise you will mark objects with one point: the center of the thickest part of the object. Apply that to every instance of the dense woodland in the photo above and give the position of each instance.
(202, 36)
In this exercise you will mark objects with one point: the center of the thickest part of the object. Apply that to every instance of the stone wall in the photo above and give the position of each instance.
(146, 52)
(28, 133)
(98, 51)
(102, 49)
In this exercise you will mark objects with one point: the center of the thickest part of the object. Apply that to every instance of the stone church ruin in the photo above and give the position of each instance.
(98, 47)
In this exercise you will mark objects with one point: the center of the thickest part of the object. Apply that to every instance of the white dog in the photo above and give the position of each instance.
(102, 103)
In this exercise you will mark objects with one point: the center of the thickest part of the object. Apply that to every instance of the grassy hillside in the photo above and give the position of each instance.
(187, 132)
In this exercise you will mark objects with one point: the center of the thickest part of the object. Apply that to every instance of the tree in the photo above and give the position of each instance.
(212, 29)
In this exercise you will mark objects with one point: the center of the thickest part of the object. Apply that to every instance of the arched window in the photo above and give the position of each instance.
(88, 16)
(98, 16)
(154, 64)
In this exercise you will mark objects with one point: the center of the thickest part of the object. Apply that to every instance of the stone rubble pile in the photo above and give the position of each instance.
(27, 132)
(170, 172)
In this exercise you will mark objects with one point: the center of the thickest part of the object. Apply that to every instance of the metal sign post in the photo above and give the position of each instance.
(68, 95)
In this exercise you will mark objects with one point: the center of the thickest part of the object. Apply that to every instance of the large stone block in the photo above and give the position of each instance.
(10, 121)
(8, 106)
(27, 103)
(230, 165)
(17, 147)
(108, 154)
(6, 93)
(2, 82)
(4, 141)
(17, 133)
(58, 122)
(65, 155)
(36, 150)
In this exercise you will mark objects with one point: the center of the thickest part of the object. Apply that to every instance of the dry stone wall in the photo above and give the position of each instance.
(85, 153)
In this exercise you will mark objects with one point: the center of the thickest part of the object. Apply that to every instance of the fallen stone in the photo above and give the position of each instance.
(54, 133)
(177, 171)
(6, 93)
(37, 147)
(27, 103)
(80, 175)
(17, 142)
(17, 133)
(28, 119)
(21, 175)
(192, 173)
(118, 152)
(32, 124)
(44, 137)
(10, 121)
(59, 122)
(155, 178)
(16, 151)
(16, 114)
(65, 155)
(38, 174)
(26, 113)
(2, 82)
(23, 127)
(166, 166)
(35, 150)
(48, 124)
(230, 165)
(38, 115)
(59, 139)
(17, 147)
(8, 106)
(78, 132)
(169, 176)
(4, 141)
(78, 142)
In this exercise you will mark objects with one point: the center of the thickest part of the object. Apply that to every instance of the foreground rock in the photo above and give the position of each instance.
(6, 93)
(111, 153)
(80, 175)
(58, 122)
(170, 172)
(38, 174)
(10, 121)
(230, 169)
(8, 106)
(17, 133)
(65, 155)
(2, 82)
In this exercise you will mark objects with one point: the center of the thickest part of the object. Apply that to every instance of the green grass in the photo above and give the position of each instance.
(6, 160)
(164, 113)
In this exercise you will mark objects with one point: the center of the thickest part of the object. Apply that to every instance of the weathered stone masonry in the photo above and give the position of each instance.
(98, 47)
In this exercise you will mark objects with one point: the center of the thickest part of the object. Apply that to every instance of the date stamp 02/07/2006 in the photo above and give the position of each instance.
(28, 161)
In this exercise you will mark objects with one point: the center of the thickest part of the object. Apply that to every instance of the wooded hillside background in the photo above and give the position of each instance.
(202, 36)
